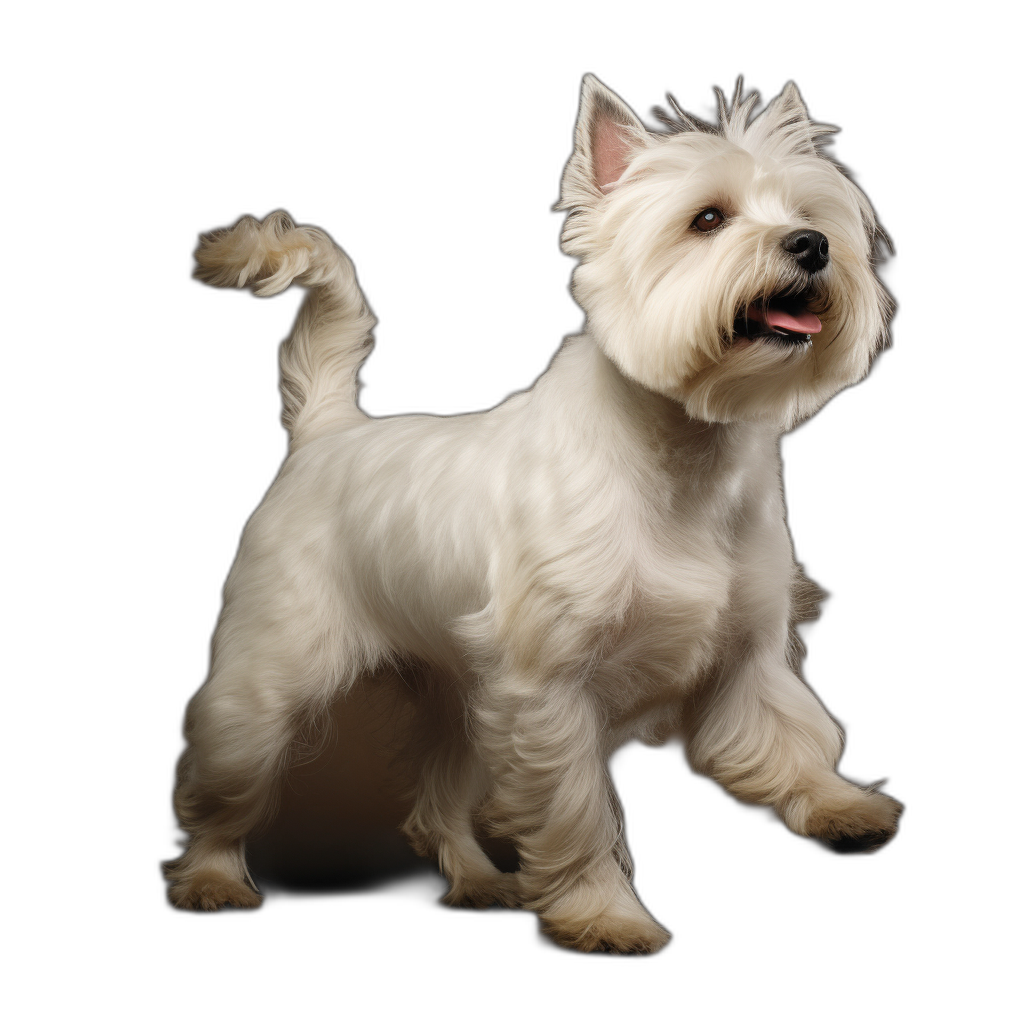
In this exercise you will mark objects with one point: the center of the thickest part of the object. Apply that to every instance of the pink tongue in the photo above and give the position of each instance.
(802, 323)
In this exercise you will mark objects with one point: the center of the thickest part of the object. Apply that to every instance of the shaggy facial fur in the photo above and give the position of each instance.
(600, 558)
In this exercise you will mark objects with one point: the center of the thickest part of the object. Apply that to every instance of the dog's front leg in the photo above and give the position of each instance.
(764, 735)
(552, 796)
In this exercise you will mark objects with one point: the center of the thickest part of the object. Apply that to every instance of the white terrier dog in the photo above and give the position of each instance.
(602, 557)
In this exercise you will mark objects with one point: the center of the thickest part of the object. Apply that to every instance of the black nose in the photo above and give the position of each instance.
(809, 248)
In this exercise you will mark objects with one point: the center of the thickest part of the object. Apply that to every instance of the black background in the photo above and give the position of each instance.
(434, 161)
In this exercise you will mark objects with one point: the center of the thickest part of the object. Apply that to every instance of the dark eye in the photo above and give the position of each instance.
(709, 219)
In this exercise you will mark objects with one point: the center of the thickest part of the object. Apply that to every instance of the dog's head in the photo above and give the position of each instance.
(730, 267)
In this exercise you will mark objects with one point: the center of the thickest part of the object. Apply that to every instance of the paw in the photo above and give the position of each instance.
(503, 890)
(858, 825)
(212, 892)
(609, 933)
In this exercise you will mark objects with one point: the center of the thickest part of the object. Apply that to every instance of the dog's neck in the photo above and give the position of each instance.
(683, 446)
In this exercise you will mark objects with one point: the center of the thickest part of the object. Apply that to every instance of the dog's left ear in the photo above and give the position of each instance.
(607, 134)
(786, 117)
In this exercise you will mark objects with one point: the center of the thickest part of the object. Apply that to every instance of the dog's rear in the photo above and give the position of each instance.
(332, 334)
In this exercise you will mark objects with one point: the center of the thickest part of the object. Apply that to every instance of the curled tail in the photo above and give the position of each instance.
(332, 334)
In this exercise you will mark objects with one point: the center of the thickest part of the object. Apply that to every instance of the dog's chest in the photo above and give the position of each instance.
(682, 579)
(713, 550)
(631, 569)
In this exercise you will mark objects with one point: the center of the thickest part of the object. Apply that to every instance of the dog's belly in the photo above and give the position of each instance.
(652, 722)
(644, 681)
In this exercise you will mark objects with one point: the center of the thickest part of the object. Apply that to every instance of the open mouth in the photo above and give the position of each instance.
(782, 320)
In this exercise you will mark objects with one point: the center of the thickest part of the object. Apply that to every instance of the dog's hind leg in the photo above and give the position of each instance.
(451, 784)
(240, 728)
(280, 653)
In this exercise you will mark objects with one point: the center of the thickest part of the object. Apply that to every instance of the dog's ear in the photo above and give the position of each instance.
(607, 134)
(790, 102)
(786, 118)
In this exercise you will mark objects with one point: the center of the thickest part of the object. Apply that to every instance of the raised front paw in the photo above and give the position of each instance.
(861, 823)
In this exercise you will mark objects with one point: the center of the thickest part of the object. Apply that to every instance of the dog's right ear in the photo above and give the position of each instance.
(607, 134)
